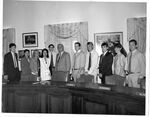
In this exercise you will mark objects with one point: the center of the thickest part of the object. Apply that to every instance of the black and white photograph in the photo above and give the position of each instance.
(109, 37)
(82, 58)
(20, 54)
(39, 50)
(30, 39)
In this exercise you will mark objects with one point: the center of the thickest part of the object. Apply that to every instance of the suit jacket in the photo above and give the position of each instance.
(118, 66)
(44, 69)
(79, 60)
(9, 69)
(34, 66)
(25, 66)
(105, 64)
(64, 63)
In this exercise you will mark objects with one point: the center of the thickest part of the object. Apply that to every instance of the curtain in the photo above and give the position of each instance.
(136, 29)
(66, 34)
(8, 37)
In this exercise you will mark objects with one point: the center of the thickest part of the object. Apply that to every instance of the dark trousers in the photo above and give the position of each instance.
(14, 77)
(51, 70)
(103, 79)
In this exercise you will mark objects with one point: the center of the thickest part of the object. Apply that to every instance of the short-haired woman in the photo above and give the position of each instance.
(25, 67)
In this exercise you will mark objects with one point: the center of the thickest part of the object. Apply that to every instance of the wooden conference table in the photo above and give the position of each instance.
(79, 98)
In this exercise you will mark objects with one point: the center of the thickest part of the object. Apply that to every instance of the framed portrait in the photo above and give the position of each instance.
(30, 39)
(108, 37)
(40, 52)
(20, 54)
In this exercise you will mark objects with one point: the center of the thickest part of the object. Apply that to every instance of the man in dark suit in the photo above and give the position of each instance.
(105, 63)
(11, 69)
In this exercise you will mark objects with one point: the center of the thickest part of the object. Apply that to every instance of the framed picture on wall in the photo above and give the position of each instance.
(20, 54)
(30, 39)
(109, 37)
(40, 52)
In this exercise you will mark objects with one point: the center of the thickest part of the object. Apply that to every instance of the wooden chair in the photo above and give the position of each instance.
(86, 78)
(115, 80)
(60, 76)
(142, 83)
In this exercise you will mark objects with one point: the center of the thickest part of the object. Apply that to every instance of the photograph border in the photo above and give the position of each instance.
(20, 54)
(40, 52)
(109, 34)
(28, 34)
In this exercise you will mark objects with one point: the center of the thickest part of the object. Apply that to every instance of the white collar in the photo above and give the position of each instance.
(61, 53)
(104, 53)
(12, 53)
(134, 51)
(78, 51)
(51, 51)
(91, 51)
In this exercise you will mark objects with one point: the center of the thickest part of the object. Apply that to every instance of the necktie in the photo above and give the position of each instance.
(101, 58)
(89, 62)
(75, 60)
(51, 64)
(129, 67)
(38, 67)
(58, 58)
(15, 61)
(115, 63)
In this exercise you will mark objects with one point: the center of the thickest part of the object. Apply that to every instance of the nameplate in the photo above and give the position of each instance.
(140, 94)
(104, 88)
(72, 85)
(36, 83)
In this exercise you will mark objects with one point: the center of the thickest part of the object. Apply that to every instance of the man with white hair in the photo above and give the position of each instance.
(63, 62)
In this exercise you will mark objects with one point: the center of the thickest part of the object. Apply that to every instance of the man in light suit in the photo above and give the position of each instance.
(136, 65)
(78, 62)
(11, 69)
(105, 63)
(63, 62)
(52, 57)
(91, 64)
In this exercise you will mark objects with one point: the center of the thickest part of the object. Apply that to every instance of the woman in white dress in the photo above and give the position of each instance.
(119, 61)
(44, 66)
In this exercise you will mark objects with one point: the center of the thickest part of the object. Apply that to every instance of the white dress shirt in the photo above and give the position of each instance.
(14, 59)
(54, 57)
(137, 68)
(137, 62)
(94, 63)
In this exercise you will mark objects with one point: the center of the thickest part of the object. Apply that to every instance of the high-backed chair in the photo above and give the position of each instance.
(60, 76)
(86, 78)
(115, 80)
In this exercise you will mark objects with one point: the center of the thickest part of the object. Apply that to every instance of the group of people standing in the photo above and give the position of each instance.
(130, 67)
